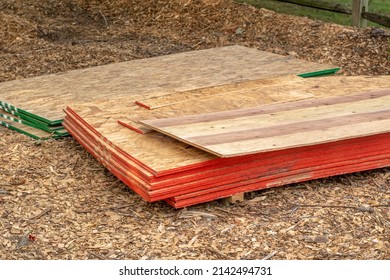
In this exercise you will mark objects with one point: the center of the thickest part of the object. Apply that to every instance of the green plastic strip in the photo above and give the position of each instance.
(319, 73)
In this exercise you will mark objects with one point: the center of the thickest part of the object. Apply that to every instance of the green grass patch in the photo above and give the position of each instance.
(375, 6)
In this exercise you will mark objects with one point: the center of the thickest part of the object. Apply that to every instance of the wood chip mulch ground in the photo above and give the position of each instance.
(58, 202)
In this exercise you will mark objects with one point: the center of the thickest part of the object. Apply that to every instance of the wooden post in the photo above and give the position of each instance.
(359, 6)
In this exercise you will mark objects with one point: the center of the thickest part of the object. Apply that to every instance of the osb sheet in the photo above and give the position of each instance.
(232, 93)
(154, 150)
(25, 129)
(47, 96)
(161, 152)
(245, 169)
(72, 208)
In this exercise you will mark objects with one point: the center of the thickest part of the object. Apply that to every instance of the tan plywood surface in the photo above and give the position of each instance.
(282, 126)
(161, 152)
(48, 95)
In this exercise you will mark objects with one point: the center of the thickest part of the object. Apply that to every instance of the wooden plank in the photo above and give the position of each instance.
(238, 197)
(377, 18)
(282, 126)
(46, 97)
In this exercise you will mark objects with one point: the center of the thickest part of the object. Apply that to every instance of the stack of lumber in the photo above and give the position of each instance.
(237, 138)
(198, 126)
(35, 106)
(22, 122)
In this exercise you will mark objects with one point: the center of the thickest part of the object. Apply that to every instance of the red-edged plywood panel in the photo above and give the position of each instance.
(251, 173)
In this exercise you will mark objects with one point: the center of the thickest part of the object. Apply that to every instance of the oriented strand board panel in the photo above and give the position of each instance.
(47, 96)
(282, 126)
(162, 153)
(247, 94)
(34, 133)
(11, 117)
(242, 92)
(214, 99)
(228, 171)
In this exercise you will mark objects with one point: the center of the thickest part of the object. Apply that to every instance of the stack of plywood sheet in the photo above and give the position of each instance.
(238, 138)
(35, 106)
(16, 120)
(198, 126)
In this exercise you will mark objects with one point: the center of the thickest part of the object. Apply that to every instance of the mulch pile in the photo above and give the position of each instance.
(201, 23)
(58, 202)
(63, 35)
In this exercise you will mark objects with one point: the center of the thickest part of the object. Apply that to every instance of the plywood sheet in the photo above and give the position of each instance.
(242, 92)
(34, 133)
(249, 94)
(162, 154)
(29, 119)
(282, 126)
(59, 130)
(314, 162)
(270, 166)
(229, 190)
(47, 96)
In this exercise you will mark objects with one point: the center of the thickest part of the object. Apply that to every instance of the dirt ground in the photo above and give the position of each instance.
(58, 202)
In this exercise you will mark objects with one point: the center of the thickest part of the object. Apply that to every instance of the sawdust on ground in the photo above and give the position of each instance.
(58, 202)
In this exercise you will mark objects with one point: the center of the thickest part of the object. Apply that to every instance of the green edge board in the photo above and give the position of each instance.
(41, 123)
(319, 73)
(57, 131)
(21, 131)
(30, 119)
(49, 122)
(61, 133)
(20, 112)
